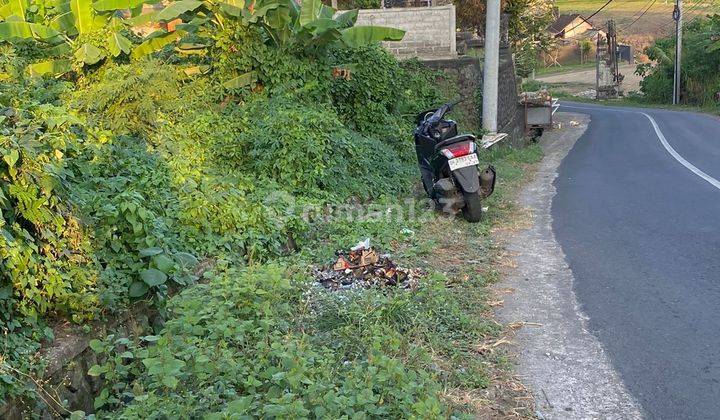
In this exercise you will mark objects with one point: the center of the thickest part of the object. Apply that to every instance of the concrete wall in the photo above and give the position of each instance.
(430, 31)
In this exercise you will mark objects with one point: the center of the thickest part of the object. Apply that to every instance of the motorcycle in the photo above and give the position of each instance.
(449, 165)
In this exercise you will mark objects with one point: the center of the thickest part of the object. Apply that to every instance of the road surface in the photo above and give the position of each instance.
(636, 213)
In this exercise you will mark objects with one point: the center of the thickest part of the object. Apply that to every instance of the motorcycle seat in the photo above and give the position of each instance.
(456, 139)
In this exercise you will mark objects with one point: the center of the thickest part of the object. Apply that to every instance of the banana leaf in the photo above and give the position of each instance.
(59, 50)
(83, 15)
(325, 37)
(51, 67)
(140, 20)
(279, 18)
(358, 36)
(232, 8)
(17, 29)
(177, 8)
(18, 8)
(64, 22)
(155, 43)
(244, 80)
(117, 44)
(259, 12)
(326, 12)
(111, 5)
(309, 11)
(89, 54)
(347, 19)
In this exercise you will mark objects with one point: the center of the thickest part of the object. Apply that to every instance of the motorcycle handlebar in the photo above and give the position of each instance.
(444, 109)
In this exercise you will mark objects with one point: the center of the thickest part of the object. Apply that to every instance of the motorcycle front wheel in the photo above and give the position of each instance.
(472, 212)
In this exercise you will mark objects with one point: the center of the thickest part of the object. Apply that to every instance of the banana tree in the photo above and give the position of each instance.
(286, 24)
(83, 32)
(314, 24)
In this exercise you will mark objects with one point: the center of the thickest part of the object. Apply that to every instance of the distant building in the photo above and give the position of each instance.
(568, 26)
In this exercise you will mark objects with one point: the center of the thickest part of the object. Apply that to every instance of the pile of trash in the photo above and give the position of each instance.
(590, 94)
(363, 268)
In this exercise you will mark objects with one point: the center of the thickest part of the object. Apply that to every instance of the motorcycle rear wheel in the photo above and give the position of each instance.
(472, 212)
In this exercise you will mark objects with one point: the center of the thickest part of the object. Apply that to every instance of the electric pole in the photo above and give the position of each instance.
(491, 66)
(677, 16)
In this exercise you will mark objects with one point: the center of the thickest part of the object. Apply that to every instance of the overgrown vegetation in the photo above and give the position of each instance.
(700, 66)
(192, 169)
(293, 349)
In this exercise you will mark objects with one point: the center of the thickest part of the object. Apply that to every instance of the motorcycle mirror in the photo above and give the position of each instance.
(457, 101)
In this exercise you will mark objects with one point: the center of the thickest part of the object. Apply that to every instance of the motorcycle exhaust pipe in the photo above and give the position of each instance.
(487, 181)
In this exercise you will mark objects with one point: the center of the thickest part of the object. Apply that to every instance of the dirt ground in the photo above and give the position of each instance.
(582, 80)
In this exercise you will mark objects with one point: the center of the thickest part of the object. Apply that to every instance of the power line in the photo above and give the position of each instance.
(640, 10)
(639, 17)
(590, 17)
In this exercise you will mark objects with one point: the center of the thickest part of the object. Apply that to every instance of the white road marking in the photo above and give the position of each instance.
(694, 169)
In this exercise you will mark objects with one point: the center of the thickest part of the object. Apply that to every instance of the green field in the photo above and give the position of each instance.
(589, 6)
(656, 22)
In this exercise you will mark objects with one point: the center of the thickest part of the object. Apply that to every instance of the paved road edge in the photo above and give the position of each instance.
(562, 363)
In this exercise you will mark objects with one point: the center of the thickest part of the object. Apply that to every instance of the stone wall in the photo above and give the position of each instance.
(511, 119)
(467, 74)
(429, 31)
(65, 382)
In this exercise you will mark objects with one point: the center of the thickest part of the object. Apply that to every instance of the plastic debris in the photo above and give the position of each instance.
(361, 245)
(363, 268)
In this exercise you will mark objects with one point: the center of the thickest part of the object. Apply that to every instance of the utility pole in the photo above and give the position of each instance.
(491, 66)
(677, 16)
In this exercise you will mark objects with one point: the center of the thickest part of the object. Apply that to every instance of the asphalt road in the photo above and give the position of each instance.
(641, 234)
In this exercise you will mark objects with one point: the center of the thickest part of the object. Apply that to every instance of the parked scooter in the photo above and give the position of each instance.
(449, 164)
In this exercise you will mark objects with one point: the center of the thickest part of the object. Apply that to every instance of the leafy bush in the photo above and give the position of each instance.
(44, 249)
(700, 66)
(382, 96)
(289, 142)
(131, 98)
(163, 164)
(365, 167)
(219, 358)
(371, 95)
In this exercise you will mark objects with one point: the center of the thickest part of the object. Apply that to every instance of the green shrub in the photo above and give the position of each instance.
(700, 67)
(366, 101)
(232, 349)
(365, 167)
(279, 69)
(289, 142)
(382, 96)
(130, 99)
(44, 249)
